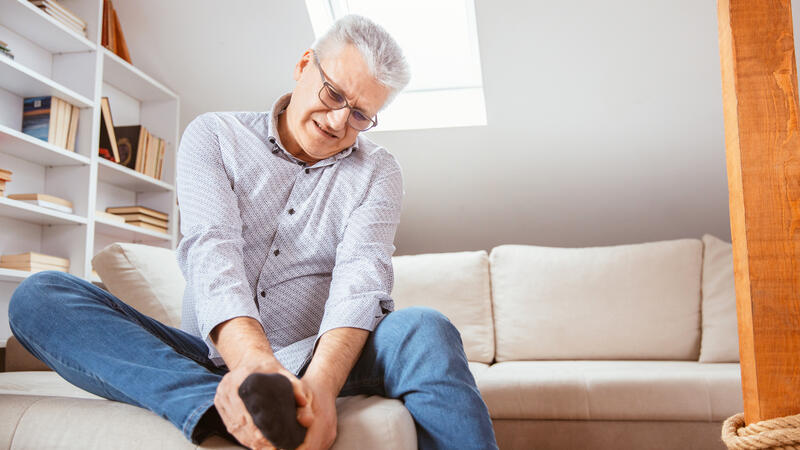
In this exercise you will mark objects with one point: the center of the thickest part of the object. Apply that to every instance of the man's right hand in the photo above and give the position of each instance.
(231, 409)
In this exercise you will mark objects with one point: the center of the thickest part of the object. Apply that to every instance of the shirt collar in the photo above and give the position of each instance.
(275, 139)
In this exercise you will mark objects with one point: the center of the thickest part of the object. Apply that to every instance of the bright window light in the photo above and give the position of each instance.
(440, 41)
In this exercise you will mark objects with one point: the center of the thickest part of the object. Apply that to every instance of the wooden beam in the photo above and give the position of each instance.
(762, 137)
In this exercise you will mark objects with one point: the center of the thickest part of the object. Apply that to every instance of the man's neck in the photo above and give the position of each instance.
(288, 140)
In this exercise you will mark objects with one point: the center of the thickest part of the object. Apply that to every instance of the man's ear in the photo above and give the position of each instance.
(302, 64)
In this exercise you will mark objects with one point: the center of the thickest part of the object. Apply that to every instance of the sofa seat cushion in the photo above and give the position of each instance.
(625, 302)
(611, 390)
(42, 410)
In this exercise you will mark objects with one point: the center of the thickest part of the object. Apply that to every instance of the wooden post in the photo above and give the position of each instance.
(762, 137)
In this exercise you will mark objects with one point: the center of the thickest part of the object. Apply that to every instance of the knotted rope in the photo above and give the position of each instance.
(782, 433)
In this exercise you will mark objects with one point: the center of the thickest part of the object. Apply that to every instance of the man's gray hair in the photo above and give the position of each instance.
(380, 51)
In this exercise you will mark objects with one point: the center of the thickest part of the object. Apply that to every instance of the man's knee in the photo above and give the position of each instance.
(33, 294)
(425, 324)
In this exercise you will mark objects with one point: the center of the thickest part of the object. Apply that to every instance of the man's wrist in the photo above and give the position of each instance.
(321, 383)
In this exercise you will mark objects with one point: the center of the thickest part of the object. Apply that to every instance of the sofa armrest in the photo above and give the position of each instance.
(18, 359)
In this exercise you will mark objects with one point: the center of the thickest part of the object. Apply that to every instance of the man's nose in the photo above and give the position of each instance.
(338, 118)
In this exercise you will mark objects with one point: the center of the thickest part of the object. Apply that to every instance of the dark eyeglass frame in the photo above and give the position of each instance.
(327, 85)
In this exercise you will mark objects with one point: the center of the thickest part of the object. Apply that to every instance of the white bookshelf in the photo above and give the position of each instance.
(52, 59)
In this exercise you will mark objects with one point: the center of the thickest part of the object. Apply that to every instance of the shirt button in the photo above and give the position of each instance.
(308, 170)
(263, 293)
(301, 163)
(276, 252)
(271, 140)
(291, 210)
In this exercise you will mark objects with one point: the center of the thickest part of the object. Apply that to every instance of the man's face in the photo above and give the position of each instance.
(318, 130)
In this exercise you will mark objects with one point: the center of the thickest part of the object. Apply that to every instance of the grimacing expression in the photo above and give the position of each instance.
(318, 130)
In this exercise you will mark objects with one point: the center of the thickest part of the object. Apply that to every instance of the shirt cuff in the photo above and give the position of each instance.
(220, 312)
(362, 311)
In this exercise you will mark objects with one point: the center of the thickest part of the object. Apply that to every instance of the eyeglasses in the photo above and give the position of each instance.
(331, 98)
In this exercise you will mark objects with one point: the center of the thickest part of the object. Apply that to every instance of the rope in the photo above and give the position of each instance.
(782, 433)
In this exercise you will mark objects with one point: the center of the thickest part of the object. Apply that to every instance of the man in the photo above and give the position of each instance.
(288, 219)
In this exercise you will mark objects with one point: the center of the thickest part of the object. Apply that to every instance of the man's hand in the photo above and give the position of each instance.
(319, 417)
(235, 416)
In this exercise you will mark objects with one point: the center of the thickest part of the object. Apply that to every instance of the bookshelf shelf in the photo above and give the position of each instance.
(39, 215)
(24, 18)
(13, 275)
(126, 178)
(24, 82)
(129, 79)
(37, 151)
(126, 232)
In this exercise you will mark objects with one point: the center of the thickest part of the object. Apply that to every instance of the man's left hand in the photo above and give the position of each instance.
(319, 416)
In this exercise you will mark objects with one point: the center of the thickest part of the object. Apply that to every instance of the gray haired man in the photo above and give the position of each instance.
(288, 218)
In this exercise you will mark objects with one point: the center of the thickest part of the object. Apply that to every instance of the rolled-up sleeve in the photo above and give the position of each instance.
(362, 277)
(210, 253)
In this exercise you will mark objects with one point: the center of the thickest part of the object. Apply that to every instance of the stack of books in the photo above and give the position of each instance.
(142, 217)
(45, 200)
(5, 177)
(4, 50)
(132, 146)
(34, 262)
(60, 13)
(140, 150)
(52, 120)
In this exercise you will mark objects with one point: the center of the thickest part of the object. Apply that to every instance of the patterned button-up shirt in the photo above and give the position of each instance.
(301, 248)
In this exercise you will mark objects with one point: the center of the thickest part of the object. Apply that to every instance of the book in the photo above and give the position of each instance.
(64, 19)
(36, 258)
(54, 5)
(148, 226)
(122, 46)
(137, 209)
(151, 157)
(142, 155)
(45, 200)
(143, 218)
(33, 267)
(66, 118)
(108, 138)
(129, 143)
(58, 133)
(5, 175)
(110, 217)
(161, 151)
(73, 128)
(38, 118)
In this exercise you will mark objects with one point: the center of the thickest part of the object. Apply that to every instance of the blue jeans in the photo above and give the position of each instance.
(100, 344)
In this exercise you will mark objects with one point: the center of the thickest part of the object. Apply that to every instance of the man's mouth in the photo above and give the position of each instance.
(325, 131)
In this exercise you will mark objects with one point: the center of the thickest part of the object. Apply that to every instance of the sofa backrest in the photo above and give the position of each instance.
(455, 284)
(637, 301)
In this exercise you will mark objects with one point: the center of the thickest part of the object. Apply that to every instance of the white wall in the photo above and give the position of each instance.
(605, 118)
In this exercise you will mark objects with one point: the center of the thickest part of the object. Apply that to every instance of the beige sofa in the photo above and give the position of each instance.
(629, 346)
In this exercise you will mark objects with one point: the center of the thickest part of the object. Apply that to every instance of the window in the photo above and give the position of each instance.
(440, 41)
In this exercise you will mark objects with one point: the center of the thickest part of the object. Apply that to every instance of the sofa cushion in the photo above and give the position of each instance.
(720, 342)
(611, 390)
(455, 284)
(623, 302)
(42, 410)
(145, 277)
